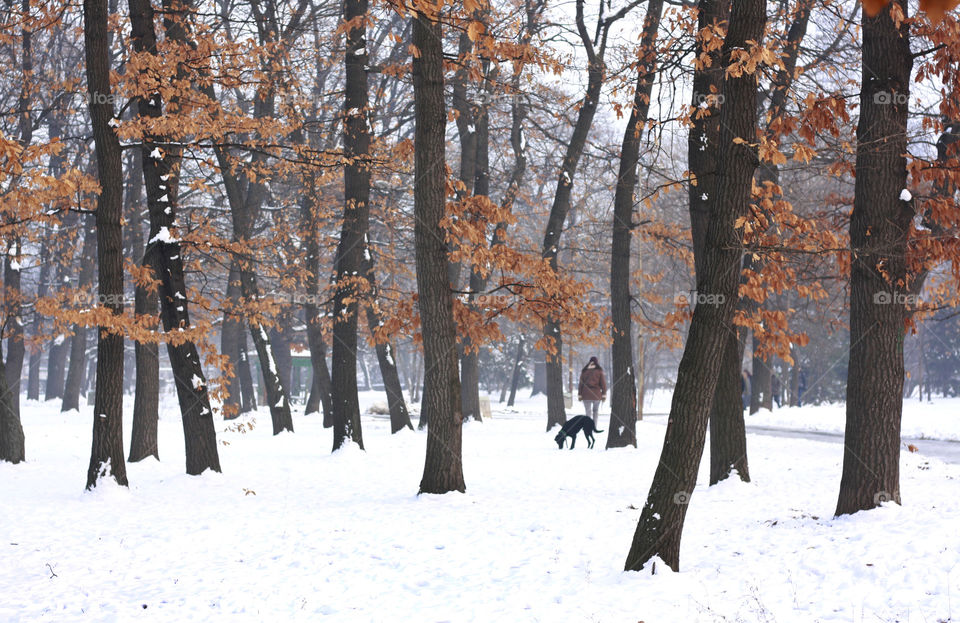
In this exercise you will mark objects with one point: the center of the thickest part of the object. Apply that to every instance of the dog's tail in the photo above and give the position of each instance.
(597, 430)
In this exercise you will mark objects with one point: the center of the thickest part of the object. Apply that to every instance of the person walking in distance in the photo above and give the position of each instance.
(592, 389)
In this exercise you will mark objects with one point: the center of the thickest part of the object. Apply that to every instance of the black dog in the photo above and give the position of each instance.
(574, 426)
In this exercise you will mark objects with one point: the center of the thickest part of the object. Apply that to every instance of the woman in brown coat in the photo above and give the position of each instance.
(592, 389)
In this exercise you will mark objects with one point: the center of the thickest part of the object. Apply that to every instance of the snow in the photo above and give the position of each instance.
(905, 195)
(921, 420)
(163, 236)
(540, 535)
(155, 154)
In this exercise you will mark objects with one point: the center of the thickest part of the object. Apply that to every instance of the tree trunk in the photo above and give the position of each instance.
(728, 435)
(399, 416)
(442, 470)
(13, 260)
(728, 445)
(230, 333)
(622, 430)
(12, 446)
(280, 338)
(660, 526)
(320, 389)
(466, 132)
(247, 394)
(12, 303)
(146, 355)
(469, 353)
(146, 401)
(320, 385)
(161, 168)
(133, 201)
(78, 343)
(879, 228)
(353, 238)
(106, 454)
(56, 364)
(760, 382)
(517, 373)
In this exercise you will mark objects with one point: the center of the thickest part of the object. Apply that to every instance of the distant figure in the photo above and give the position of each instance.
(592, 389)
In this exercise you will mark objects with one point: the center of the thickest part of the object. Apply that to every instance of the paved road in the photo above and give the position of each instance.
(947, 451)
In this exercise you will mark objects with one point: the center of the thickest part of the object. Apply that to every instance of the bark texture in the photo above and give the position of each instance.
(161, 164)
(879, 228)
(12, 442)
(442, 470)
(350, 284)
(660, 527)
(106, 454)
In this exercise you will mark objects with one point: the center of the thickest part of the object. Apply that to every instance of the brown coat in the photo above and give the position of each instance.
(593, 385)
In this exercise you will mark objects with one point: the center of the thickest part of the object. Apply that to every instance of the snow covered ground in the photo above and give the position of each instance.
(290, 531)
(939, 419)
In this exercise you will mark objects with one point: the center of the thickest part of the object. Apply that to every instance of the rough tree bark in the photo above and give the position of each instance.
(879, 228)
(350, 285)
(660, 526)
(146, 355)
(728, 445)
(13, 260)
(622, 430)
(469, 352)
(12, 443)
(161, 168)
(146, 399)
(443, 469)
(106, 454)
